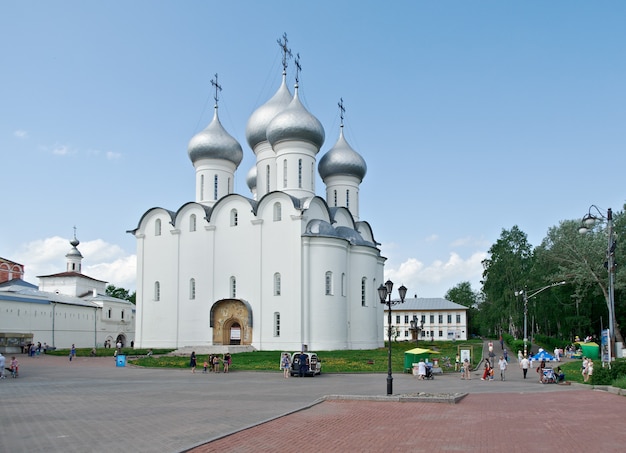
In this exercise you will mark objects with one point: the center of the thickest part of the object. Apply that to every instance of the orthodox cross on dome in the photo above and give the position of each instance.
(342, 110)
(286, 50)
(298, 68)
(74, 242)
(218, 88)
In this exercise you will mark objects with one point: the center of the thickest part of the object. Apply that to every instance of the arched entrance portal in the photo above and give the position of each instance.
(231, 320)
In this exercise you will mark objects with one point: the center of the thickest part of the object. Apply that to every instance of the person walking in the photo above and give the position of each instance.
(2, 362)
(502, 363)
(227, 360)
(193, 362)
(486, 371)
(467, 367)
(524, 365)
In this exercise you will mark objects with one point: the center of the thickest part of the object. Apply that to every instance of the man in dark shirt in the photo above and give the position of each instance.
(302, 359)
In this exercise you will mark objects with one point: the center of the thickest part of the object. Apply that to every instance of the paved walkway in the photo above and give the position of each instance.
(90, 405)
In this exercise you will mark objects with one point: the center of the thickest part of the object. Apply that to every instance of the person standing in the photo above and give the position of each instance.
(206, 365)
(285, 364)
(486, 371)
(457, 362)
(15, 367)
(2, 362)
(466, 369)
(589, 370)
(72, 352)
(302, 362)
(421, 369)
(227, 360)
(193, 361)
(502, 365)
(524, 365)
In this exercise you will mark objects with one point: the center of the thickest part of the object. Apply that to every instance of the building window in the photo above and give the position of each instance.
(122, 315)
(215, 187)
(201, 187)
(233, 287)
(432, 319)
(284, 172)
(449, 319)
(157, 291)
(406, 333)
(397, 319)
(343, 284)
(458, 319)
(347, 199)
(276, 324)
(267, 179)
(277, 284)
(335, 197)
(328, 283)
(192, 288)
(109, 313)
(440, 333)
(363, 290)
(406, 319)
(157, 227)
(192, 222)
(278, 212)
(423, 319)
(299, 173)
(234, 219)
(313, 177)
(440, 319)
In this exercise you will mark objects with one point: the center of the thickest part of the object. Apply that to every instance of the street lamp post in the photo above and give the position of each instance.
(527, 296)
(417, 328)
(384, 292)
(588, 221)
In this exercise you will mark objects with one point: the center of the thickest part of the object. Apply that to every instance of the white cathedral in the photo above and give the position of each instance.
(284, 269)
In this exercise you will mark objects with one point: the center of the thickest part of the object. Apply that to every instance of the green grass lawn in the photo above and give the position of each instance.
(355, 361)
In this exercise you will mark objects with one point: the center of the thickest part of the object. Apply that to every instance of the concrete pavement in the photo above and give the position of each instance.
(90, 405)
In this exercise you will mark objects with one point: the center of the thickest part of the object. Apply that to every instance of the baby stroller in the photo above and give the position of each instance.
(548, 376)
(429, 372)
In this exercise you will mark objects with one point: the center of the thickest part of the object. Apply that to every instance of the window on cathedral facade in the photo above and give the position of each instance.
(276, 324)
(278, 215)
(335, 197)
(122, 315)
(157, 227)
(343, 284)
(192, 222)
(157, 291)
(109, 313)
(347, 199)
(284, 173)
(299, 173)
(363, 292)
(215, 187)
(277, 284)
(328, 284)
(234, 219)
(233, 287)
(192, 288)
(267, 179)
(201, 187)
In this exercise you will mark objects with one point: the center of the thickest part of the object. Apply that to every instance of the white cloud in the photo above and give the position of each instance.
(437, 278)
(20, 133)
(61, 150)
(113, 156)
(432, 238)
(102, 261)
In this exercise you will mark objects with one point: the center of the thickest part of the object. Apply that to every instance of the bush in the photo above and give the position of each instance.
(606, 376)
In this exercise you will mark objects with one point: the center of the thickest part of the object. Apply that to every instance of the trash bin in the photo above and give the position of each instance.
(120, 360)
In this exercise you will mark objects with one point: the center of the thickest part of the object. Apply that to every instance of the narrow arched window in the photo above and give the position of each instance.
(328, 283)
(157, 227)
(192, 222)
(215, 181)
(157, 291)
(284, 172)
(201, 187)
(277, 284)
(343, 284)
(267, 179)
(233, 287)
(192, 288)
(313, 177)
(348, 199)
(234, 219)
(363, 292)
(278, 215)
(335, 197)
(299, 173)
(276, 324)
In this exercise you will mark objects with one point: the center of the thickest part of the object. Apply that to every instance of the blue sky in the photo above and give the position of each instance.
(472, 117)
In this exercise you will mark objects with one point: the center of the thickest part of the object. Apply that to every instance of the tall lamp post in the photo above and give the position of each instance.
(417, 328)
(384, 292)
(588, 221)
(527, 296)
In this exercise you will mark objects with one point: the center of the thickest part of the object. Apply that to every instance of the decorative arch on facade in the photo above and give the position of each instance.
(229, 314)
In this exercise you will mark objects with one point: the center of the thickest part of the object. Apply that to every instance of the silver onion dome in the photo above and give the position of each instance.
(261, 117)
(214, 143)
(251, 178)
(296, 123)
(341, 159)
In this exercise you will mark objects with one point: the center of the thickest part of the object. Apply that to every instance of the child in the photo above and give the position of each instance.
(15, 367)
(205, 365)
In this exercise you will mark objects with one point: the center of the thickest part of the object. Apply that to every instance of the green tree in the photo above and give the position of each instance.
(507, 269)
(121, 293)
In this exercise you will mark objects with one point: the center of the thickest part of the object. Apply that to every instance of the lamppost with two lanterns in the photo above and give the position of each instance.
(384, 292)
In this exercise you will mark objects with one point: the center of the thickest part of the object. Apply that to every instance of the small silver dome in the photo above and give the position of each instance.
(260, 119)
(214, 143)
(341, 159)
(251, 178)
(295, 123)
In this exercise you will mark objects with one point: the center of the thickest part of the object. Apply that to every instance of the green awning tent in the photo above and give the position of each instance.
(415, 355)
(590, 349)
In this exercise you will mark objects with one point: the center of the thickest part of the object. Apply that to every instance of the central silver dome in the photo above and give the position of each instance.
(295, 123)
(260, 119)
(214, 143)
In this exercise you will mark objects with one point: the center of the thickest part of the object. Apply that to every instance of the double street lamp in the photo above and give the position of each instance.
(527, 296)
(417, 328)
(384, 292)
(587, 223)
